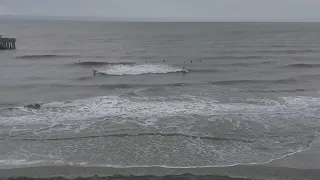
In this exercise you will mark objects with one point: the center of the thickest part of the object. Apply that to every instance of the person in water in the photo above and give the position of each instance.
(33, 106)
(94, 71)
(184, 71)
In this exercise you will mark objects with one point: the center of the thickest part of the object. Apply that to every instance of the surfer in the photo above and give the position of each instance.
(94, 72)
(184, 71)
(33, 106)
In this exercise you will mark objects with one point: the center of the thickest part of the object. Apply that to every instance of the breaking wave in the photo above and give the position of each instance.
(139, 69)
(237, 131)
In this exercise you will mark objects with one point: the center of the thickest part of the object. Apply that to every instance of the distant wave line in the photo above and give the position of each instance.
(99, 63)
(302, 65)
(275, 91)
(127, 86)
(231, 82)
(112, 86)
(233, 57)
(51, 56)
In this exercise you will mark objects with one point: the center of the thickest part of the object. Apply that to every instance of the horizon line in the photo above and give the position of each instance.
(137, 19)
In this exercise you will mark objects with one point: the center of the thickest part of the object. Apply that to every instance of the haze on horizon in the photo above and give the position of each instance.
(169, 10)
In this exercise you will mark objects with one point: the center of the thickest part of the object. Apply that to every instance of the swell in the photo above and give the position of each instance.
(128, 86)
(302, 65)
(52, 56)
(271, 51)
(275, 91)
(239, 64)
(102, 86)
(204, 70)
(123, 135)
(232, 82)
(267, 54)
(99, 63)
(312, 76)
(234, 57)
(288, 51)
(249, 63)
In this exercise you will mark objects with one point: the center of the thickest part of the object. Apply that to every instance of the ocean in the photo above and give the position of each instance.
(170, 95)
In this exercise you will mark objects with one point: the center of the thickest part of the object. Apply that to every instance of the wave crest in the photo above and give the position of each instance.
(140, 69)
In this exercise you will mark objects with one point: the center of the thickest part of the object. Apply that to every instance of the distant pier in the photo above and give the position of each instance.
(7, 43)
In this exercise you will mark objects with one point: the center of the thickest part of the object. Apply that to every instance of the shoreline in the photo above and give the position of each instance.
(239, 171)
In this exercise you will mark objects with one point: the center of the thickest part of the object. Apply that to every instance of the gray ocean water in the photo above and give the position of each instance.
(166, 94)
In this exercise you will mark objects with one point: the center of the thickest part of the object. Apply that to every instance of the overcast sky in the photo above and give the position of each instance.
(202, 10)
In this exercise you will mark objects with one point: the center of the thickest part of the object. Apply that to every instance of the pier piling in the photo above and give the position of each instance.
(7, 43)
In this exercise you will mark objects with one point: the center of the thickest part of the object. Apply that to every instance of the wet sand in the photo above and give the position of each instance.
(301, 166)
(230, 173)
(171, 177)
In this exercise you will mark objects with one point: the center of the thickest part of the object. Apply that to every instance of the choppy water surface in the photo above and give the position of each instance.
(165, 94)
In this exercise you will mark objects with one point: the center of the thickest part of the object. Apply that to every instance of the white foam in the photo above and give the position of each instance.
(143, 108)
(149, 112)
(302, 101)
(9, 163)
(264, 101)
(18, 162)
(139, 69)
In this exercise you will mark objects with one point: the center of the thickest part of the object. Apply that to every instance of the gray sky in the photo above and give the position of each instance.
(202, 10)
